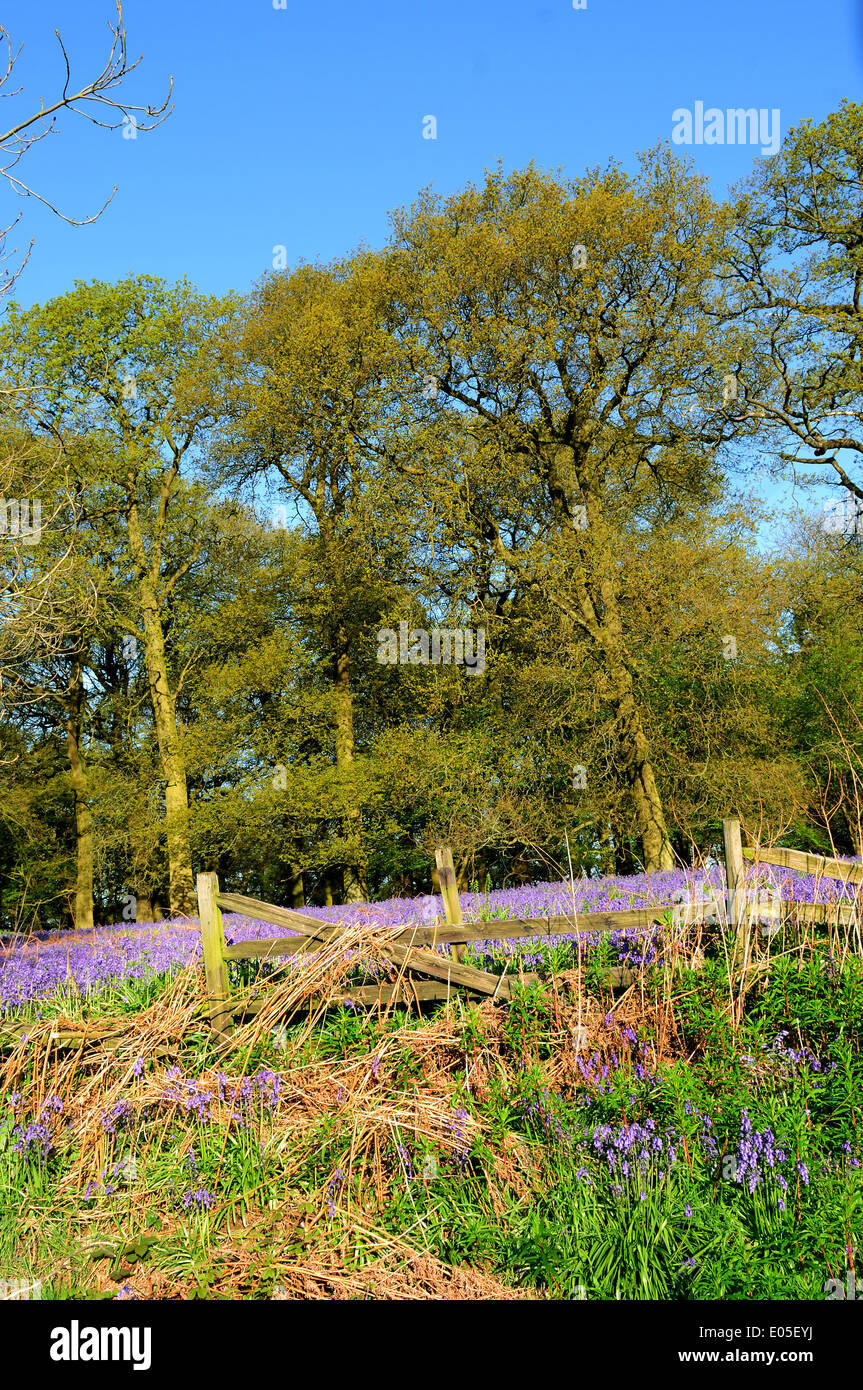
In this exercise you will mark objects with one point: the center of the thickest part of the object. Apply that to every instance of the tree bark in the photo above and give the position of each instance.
(600, 617)
(297, 887)
(355, 867)
(609, 863)
(180, 882)
(635, 751)
(84, 829)
(145, 908)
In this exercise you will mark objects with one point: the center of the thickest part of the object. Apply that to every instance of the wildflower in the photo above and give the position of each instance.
(406, 1160)
(200, 1200)
(118, 1116)
(333, 1186)
(687, 1212)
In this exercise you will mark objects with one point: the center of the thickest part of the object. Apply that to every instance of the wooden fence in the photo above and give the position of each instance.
(439, 975)
(443, 974)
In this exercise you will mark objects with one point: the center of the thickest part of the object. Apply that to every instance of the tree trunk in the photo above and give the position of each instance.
(635, 752)
(601, 618)
(145, 907)
(521, 871)
(682, 848)
(84, 830)
(180, 883)
(596, 610)
(609, 863)
(355, 868)
(297, 888)
(625, 859)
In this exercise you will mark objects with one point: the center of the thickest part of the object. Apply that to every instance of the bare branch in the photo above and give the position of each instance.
(96, 101)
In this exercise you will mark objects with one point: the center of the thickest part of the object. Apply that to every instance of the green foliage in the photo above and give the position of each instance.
(426, 425)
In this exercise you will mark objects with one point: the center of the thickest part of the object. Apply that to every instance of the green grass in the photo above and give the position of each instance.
(466, 1136)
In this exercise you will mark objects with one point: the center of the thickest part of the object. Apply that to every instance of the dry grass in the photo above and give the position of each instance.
(404, 1090)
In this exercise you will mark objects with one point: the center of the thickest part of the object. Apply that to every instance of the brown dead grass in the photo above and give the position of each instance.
(368, 1105)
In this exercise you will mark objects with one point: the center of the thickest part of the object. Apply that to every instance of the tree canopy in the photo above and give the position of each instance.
(277, 531)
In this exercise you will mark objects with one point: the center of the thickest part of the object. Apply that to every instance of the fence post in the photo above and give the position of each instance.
(449, 893)
(213, 943)
(733, 880)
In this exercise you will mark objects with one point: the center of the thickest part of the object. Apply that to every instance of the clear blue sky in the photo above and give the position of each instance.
(302, 127)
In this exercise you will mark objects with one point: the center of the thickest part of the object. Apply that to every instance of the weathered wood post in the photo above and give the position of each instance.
(737, 916)
(449, 893)
(213, 943)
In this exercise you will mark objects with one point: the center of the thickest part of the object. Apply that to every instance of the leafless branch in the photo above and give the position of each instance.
(96, 101)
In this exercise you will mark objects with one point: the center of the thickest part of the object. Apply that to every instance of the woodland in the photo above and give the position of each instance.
(608, 420)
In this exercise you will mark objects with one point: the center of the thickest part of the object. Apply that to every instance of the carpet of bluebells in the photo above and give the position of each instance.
(665, 1150)
(36, 967)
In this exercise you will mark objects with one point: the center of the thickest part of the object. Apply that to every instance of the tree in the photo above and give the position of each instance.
(572, 329)
(796, 272)
(317, 408)
(140, 365)
(822, 643)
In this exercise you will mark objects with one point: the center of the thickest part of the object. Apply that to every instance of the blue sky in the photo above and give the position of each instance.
(302, 126)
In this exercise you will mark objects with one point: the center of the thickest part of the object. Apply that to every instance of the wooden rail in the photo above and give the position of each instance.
(814, 864)
(406, 949)
(424, 991)
(496, 929)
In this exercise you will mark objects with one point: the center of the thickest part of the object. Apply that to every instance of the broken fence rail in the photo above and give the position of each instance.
(406, 949)
(445, 973)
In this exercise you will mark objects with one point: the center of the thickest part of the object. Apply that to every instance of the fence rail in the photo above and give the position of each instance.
(808, 863)
(407, 948)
